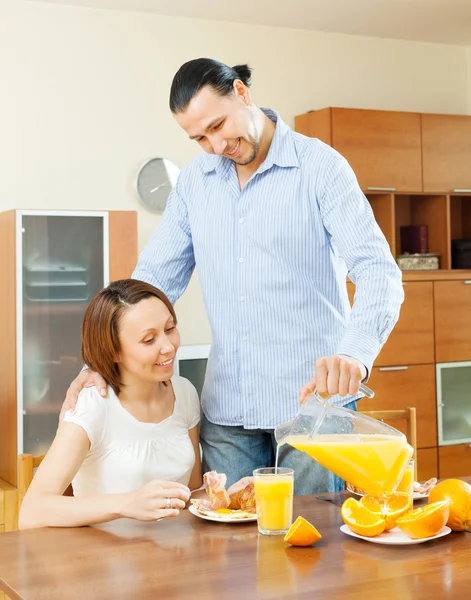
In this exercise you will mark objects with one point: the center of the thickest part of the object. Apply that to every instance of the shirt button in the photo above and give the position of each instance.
(241, 260)
(241, 220)
(244, 338)
(242, 298)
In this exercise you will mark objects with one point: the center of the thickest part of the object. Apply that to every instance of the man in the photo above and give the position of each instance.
(273, 221)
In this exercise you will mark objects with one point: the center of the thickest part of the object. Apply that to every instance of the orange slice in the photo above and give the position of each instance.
(389, 506)
(302, 533)
(426, 521)
(361, 520)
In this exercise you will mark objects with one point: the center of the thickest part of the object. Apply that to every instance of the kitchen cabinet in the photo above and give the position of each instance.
(382, 147)
(452, 320)
(51, 263)
(446, 150)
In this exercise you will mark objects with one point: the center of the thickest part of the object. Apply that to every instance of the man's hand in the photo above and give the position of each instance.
(338, 374)
(86, 378)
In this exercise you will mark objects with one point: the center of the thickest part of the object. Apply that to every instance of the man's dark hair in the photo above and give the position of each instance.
(200, 72)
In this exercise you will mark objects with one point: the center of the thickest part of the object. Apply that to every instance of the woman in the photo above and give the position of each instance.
(136, 453)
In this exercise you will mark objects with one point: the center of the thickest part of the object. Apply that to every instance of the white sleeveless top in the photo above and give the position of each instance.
(126, 453)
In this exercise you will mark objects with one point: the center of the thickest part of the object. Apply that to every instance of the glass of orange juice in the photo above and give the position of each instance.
(274, 498)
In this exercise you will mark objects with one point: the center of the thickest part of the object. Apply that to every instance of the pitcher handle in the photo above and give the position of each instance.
(363, 388)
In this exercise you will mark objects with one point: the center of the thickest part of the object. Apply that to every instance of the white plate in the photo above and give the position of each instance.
(415, 495)
(394, 537)
(220, 518)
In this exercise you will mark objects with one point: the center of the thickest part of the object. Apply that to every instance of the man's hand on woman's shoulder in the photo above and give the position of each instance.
(85, 379)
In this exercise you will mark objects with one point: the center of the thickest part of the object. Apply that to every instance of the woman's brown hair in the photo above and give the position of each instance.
(100, 327)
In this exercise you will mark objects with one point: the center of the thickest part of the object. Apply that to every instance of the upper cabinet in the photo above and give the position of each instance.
(397, 151)
(382, 147)
(446, 144)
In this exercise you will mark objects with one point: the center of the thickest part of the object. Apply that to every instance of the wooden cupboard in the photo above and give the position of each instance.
(434, 328)
(399, 151)
(453, 320)
(454, 461)
(415, 169)
(411, 341)
(382, 147)
(427, 463)
(51, 264)
(404, 386)
(446, 152)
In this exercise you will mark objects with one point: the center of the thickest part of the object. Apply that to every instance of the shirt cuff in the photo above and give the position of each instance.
(360, 345)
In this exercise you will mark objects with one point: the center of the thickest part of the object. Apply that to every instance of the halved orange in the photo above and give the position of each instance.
(361, 520)
(425, 521)
(389, 506)
(302, 533)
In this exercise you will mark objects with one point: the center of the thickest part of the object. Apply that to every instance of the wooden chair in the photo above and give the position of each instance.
(26, 465)
(391, 417)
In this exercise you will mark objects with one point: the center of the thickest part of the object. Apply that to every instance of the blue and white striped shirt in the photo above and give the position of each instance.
(272, 260)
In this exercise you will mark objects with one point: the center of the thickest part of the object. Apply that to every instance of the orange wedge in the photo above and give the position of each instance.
(302, 533)
(361, 520)
(426, 521)
(389, 506)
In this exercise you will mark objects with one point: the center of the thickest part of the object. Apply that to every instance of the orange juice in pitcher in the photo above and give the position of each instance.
(373, 462)
(364, 451)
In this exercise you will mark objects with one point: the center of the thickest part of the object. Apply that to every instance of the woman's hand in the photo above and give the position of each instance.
(155, 500)
(337, 374)
(86, 378)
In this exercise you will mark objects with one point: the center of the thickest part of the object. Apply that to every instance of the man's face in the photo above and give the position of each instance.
(223, 125)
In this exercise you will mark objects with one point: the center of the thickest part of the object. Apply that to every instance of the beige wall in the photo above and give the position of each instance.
(84, 93)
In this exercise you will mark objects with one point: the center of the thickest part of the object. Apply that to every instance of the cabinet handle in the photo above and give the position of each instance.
(462, 190)
(373, 188)
(467, 281)
(393, 368)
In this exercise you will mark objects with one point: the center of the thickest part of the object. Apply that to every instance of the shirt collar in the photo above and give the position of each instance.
(282, 151)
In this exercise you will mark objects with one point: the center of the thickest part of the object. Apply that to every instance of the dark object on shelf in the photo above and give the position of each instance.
(414, 239)
(461, 254)
(418, 262)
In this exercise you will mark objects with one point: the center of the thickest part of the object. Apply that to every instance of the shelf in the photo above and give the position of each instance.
(43, 409)
(55, 308)
(460, 216)
(426, 209)
(436, 275)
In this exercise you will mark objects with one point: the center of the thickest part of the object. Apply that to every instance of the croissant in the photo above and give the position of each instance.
(243, 499)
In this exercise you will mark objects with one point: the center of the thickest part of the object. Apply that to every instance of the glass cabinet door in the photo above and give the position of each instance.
(454, 402)
(63, 265)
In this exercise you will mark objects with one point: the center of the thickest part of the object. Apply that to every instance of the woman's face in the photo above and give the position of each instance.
(149, 341)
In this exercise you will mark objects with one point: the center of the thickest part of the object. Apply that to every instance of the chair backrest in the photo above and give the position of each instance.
(26, 465)
(391, 417)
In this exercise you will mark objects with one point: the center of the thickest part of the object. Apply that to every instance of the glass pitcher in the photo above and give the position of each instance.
(364, 451)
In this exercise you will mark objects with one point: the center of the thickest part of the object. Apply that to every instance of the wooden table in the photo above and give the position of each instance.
(190, 558)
